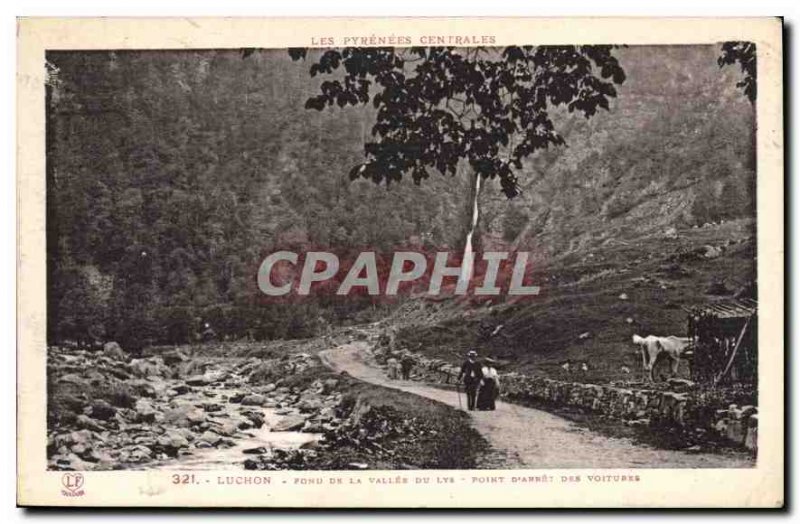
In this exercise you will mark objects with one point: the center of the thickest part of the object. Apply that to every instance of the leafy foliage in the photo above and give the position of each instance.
(436, 106)
(743, 53)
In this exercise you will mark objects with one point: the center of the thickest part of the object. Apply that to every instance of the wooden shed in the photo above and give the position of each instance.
(724, 334)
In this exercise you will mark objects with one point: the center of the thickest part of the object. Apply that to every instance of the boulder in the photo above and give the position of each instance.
(253, 400)
(199, 380)
(74, 379)
(135, 454)
(147, 388)
(145, 412)
(236, 398)
(747, 411)
(680, 382)
(309, 405)
(209, 437)
(312, 427)
(181, 389)
(113, 350)
(73, 462)
(255, 417)
(84, 422)
(229, 427)
(226, 443)
(171, 442)
(290, 423)
(174, 357)
(184, 415)
(102, 410)
(148, 367)
(326, 414)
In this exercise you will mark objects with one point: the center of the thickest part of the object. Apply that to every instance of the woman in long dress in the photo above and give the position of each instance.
(490, 387)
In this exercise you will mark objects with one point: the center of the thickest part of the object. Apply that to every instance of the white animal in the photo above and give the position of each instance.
(625, 369)
(584, 367)
(653, 347)
(565, 366)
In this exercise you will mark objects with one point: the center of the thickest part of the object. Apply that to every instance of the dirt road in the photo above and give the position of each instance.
(528, 438)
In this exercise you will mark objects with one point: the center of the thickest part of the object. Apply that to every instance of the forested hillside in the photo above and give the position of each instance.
(675, 150)
(171, 174)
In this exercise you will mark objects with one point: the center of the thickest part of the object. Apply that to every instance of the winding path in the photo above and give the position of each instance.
(523, 437)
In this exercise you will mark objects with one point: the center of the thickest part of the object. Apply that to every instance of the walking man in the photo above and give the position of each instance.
(471, 374)
(406, 364)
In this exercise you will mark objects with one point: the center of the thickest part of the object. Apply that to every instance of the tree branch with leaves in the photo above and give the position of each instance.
(440, 105)
(744, 54)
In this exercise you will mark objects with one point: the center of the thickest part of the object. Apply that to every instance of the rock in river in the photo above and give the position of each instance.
(253, 400)
(290, 423)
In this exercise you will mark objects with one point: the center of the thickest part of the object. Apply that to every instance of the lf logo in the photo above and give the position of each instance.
(73, 484)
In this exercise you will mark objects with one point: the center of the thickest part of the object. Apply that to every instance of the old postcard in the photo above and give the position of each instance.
(400, 262)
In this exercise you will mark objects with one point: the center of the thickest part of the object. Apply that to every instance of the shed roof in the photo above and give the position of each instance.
(728, 308)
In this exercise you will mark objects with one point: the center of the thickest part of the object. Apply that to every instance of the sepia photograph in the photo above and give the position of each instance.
(404, 252)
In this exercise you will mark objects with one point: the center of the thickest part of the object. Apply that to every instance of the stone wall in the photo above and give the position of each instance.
(683, 408)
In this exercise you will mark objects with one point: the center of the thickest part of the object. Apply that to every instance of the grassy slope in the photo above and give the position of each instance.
(581, 294)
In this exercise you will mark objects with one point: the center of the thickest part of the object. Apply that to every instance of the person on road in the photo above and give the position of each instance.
(406, 364)
(490, 386)
(393, 366)
(471, 374)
